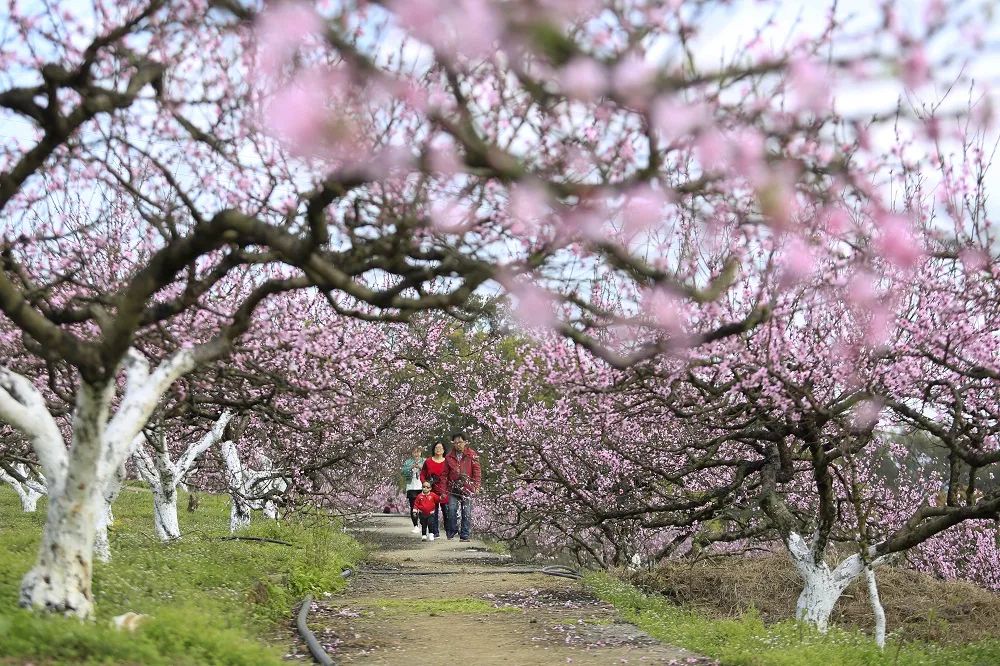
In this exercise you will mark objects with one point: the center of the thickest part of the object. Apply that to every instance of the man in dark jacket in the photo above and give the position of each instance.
(464, 477)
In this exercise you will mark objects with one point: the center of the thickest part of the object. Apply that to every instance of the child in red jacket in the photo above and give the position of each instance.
(424, 509)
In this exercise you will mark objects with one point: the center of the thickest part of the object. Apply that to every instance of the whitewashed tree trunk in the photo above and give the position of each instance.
(164, 476)
(239, 515)
(877, 608)
(822, 586)
(29, 491)
(60, 581)
(78, 478)
(106, 518)
(165, 515)
(250, 489)
(270, 510)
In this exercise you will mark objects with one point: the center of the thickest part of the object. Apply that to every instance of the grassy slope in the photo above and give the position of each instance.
(211, 601)
(747, 641)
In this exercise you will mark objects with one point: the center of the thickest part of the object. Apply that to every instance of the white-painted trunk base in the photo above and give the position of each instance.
(165, 515)
(270, 510)
(102, 546)
(239, 516)
(821, 586)
(818, 597)
(60, 581)
(877, 608)
(29, 500)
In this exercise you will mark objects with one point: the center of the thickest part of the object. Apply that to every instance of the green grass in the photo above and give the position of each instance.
(747, 641)
(210, 601)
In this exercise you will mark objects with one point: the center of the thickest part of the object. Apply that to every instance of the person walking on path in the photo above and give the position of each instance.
(411, 477)
(435, 471)
(425, 509)
(464, 477)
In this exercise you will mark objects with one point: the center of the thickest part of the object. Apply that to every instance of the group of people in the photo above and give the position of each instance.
(441, 488)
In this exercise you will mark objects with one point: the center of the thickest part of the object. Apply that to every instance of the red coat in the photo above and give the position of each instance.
(464, 476)
(437, 474)
(426, 503)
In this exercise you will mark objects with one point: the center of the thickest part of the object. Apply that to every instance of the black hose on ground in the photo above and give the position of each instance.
(317, 651)
(253, 538)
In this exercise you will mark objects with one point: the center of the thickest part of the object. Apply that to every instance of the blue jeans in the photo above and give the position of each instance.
(451, 523)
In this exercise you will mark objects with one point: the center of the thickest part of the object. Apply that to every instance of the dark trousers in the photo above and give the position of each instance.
(428, 522)
(411, 497)
(440, 518)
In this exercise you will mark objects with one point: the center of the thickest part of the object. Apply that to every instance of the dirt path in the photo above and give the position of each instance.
(448, 602)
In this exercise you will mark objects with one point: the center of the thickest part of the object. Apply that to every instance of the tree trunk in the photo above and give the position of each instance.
(60, 580)
(270, 510)
(165, 514)
(102, 545)
(818, 597)
(877, 608)
(239, 516)
(822, 587)
(29, 496)
(29, 500)
(79, 479)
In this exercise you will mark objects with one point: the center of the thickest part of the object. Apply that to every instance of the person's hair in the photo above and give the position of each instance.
(455, 435)
(444, 449)
(416, 447)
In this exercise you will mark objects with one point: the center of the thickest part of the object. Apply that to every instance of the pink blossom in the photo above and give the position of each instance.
(866, 414)
(712, 149)
(973, 259)
(444, 159)
(915, 67)
(676, 119)
(450, 216)
(528, 205)
(896, 241)
(633, 77)
(837, 220)
(667, 311)
(880, 325)
(798, 260)
(861, 289)
(811, 83)
(297, 114)
(584, 79)
(534, 306)
(281, 29)
(643, 208)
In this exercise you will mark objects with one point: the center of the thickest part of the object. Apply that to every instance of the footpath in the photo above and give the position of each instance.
(448, 602)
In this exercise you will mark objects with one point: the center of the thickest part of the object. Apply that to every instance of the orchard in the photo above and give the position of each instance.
(697, 279)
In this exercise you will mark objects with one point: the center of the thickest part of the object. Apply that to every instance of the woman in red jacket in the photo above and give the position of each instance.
(435, 471)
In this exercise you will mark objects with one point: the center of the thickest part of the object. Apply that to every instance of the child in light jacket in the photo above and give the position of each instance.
(411, 479)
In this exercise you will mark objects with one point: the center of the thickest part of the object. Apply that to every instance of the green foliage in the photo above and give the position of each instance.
(209, 600)
(748, 641)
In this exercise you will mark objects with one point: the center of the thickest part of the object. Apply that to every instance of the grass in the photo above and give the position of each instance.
(209, 601)
(749, 641)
